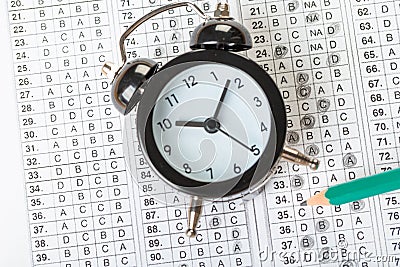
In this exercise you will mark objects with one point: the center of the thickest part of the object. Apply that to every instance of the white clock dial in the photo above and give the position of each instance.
(207, 140)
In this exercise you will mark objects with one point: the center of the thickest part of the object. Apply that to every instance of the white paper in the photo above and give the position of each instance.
(336, 63)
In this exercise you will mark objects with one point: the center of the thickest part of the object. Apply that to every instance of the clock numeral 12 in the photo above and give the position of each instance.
(190, 81)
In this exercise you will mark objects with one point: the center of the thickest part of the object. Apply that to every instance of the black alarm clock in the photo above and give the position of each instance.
(211, 123)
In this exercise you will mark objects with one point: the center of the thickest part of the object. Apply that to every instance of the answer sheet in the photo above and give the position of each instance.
(337, 64)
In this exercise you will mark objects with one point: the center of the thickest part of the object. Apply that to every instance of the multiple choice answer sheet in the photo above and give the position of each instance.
(337, 65)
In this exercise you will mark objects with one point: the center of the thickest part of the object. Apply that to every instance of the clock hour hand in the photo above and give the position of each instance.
(221, 99)
(189, 123)
(211, 125)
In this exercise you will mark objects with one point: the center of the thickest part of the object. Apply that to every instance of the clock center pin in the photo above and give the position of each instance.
(211, 125)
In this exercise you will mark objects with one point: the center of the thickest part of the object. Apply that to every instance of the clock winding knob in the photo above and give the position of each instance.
(196, 205)
(295, 156)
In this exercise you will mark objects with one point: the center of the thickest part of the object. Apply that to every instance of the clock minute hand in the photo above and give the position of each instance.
(236, 140)
(221, 99)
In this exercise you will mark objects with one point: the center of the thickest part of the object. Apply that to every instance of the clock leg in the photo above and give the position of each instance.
(295, 156)
(196, 205)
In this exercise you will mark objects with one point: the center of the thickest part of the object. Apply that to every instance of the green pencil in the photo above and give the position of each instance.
(357, 189)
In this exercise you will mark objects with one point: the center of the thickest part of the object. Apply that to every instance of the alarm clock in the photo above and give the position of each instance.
(211, 123)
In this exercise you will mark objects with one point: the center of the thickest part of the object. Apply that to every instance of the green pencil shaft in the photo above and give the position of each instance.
(364, 187)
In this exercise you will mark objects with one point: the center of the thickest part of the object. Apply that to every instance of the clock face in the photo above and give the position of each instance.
(212, 122)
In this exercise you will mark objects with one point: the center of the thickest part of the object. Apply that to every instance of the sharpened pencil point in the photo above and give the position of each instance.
(304, 203)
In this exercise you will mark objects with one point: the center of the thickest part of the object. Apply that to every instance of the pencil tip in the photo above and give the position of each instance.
(304, 203)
